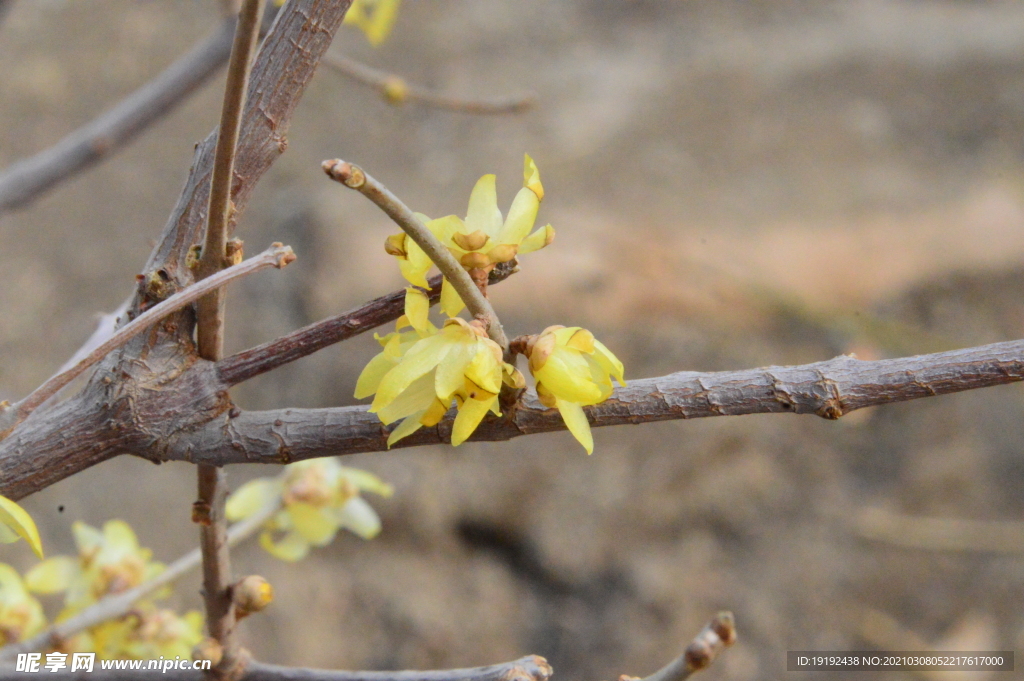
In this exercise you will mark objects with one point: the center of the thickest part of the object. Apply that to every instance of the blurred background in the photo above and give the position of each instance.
(735, 183)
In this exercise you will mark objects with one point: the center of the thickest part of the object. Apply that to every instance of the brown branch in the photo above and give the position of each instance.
(275, 256)
(827, 389)
(396, 90)
(25, 180)
(118, 605)
(354, 177)
(326, 332)
(209, 509)
(530, 668)
(718, 634)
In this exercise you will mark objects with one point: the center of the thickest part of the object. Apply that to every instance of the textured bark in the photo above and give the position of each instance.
(828, 389)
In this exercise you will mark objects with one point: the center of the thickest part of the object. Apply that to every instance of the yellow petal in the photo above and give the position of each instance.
(419, 264)
(406, 428)
(358, 517)
(451, 302)
(419, 360)
(16, 518)
(485, 368)
(315, 526)
(87, 538)
(512, 377)
(609, 362)
(371, 375)
(366, 481)
(452, 371)
(378, 26)
(446, 228)
(577, 423)
(433, 415)
(417, 308)
(545, 396)
(567, 375)
(120, 535)
(251, 497)
(291, 548)
(416, 398)
(52, 575)
(531, 177)
(520, 218)
(483, 211)
(538, 240)
(395, 245)
(471, 413)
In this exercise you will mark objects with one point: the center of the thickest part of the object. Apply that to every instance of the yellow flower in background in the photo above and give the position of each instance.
(16, 523)
(484, 238)
(458, 362)
(375, 18)
(573, 370)
(21, 615)
(109, 562)
(320, 497)
(147, 633)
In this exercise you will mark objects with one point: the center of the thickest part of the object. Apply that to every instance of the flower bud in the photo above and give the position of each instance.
(251, 594)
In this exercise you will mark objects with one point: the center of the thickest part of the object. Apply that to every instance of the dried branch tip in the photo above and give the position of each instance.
(718, 634)
(348, 174)
(285, 254)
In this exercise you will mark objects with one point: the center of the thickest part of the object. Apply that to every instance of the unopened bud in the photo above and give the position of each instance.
(251, 594)
(208, 649)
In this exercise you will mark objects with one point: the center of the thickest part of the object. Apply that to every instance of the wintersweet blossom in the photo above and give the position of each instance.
(147, 633)
(374, 17)
(319, 497)
(417, 382)
(21, 615)
(483, 239)
(109, 562)
(573, 370)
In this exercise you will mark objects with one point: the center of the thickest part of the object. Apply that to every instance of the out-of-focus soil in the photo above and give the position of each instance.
(734, 184)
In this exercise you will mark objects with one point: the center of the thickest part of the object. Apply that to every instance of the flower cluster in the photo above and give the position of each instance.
(110, 561)
(318, 498)
(420, 372)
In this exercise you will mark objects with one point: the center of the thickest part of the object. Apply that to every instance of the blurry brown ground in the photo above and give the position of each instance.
(734, 184)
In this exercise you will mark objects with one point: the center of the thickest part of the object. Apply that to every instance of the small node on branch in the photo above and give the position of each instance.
(348, 174)
(718, 634)
(285, 257)
(208, 649)
(233, 252)
(202, 513)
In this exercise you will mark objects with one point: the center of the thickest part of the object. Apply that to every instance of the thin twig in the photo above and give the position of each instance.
(397, 91)
(718, 634)
(305, 341)
(530, 668)
(24, 180)
(275, 256)
(354, 177)
(210, 310)
(118, 605)
(940, 534)
(209, 509)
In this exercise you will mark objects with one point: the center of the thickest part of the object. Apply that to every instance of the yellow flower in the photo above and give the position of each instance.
(320, 497)
(108, 562)
(483, 239)
(147, 632)
(16, 523)
(573, 370)
(374, 17)
(417, 382)
(21, 615)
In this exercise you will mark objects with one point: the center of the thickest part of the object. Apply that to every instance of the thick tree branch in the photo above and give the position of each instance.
(275, 256)
(118, 605)
(24, 180)
(530, 668)
(354, 177)
(396, 90)
(284, 65)
(828, 389)
(326, 332)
